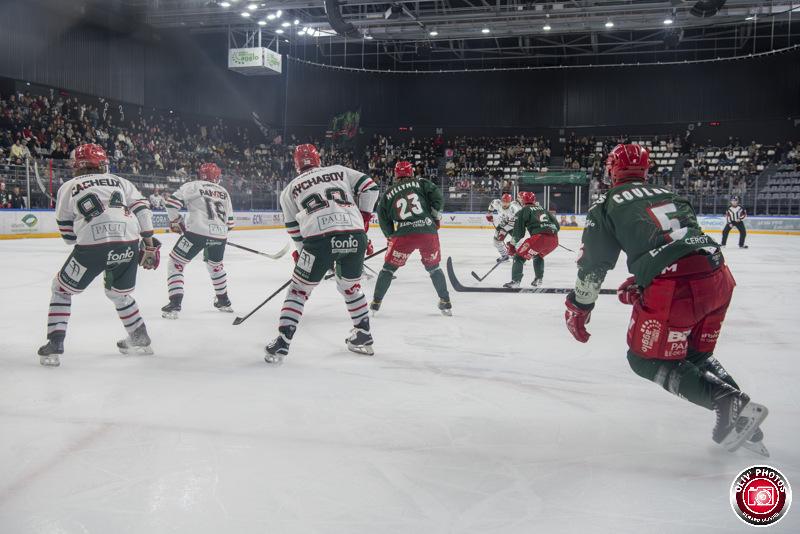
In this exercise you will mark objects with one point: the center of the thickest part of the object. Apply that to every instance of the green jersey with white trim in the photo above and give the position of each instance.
(410, 206)
(654, 226)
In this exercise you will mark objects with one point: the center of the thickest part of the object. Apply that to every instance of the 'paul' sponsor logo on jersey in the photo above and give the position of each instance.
(344, 246)
(95, 182)
(638, 192)
(335, 219)
(106, 230)
(115, 258)
(314, 180)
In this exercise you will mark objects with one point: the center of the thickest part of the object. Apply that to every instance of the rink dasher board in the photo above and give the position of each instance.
(17, 224)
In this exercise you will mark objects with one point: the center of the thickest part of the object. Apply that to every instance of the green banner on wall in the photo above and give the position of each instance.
(555, 178)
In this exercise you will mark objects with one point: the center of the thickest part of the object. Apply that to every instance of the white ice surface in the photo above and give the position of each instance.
(492, 421)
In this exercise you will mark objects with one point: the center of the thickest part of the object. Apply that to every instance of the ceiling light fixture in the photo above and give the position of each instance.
(546, 27)
(433, 33)
(271, 16)
(609, 24)
(279, 31)
(245, 14)
(296, 22)
(252, 7)
(485, 30)
(668, 21)
(279, 13)
(286, 24)
(225, 4)
(262, 22)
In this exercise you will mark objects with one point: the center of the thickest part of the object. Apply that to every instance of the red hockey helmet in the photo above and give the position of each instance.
(209, 172)
(527, 197)
(306, 157)
(506, 199)
(403, 169)
(627, 163)
(90, 156)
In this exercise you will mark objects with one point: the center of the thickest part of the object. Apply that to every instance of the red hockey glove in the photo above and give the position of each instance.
(577, 317)
(511, 249)
(150, 255)
(370, 248)
(367, 217)
(177, 225)
(490, 218)
(295, 256)
(628, 292)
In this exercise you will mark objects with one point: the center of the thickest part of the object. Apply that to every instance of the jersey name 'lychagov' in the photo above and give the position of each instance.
(327, 200)
(210, 211)
(98, 209)
(504, 217)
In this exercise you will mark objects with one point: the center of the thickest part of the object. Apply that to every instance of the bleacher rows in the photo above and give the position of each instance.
(783, 185)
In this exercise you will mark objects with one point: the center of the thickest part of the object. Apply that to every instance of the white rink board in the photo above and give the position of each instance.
(491, 421)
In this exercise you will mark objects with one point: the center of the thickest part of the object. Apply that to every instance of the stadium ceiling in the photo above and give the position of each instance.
(492, 33)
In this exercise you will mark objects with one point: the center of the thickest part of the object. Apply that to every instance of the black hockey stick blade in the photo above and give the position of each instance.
(240, 320)
(273, 256)
(482, 278)
(376, 253)
(461, 288)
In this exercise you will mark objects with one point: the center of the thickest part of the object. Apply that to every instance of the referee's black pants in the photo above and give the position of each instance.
(739, 226)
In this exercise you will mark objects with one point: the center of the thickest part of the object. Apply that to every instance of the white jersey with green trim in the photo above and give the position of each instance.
(209, 207)
(327, 200)
(98, 209)
(504, 217)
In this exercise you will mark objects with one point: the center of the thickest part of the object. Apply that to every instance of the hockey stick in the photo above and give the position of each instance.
(274, 256)
(459, 287)
(565, 248)
(482, 278)
(240, 320)
(376, 253)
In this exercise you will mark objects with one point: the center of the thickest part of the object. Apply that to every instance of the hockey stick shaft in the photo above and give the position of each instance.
(240, 320)
(274, 256)
(482, 278)
(565, 248)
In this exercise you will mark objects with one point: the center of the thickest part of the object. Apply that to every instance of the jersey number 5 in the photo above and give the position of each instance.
(407, 206)
(666, 216)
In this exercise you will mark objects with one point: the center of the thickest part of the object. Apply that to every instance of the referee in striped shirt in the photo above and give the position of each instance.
(735, 217)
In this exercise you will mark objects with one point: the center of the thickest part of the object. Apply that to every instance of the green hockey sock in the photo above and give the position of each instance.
(680, 377)
(384, 281)
(538, 266)
(439, 282)
(516, 269)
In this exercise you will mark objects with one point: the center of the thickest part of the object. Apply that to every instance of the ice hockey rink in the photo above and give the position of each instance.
(492, 421)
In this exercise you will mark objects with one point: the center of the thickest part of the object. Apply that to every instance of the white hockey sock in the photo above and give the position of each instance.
(501, 247)
(354, 299)
(175, 277)
(127, 309)
(219, 279)
(295, 302)
(60, 309)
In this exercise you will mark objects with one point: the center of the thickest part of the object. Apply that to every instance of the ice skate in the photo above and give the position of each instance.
(360, 340)
(375, 307)
(744, 246)
(755, 443)
(738, 419)
(136, 343)
(223, 303)
(49, 353)
(170, 311)
(504, 257)
(511, 285)
(446, 307)
(277, 349)
(536, 282)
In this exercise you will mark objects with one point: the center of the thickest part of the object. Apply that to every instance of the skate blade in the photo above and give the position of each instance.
(144, 351)
(447, 313)
(50, 361)
(226, 309)
(169, 315)
(365, 350)
(755, 414)
(274, 359)
(757, 447)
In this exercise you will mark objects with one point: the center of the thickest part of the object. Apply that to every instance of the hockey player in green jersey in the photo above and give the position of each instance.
(680, 291)
(409, 215)
(543, 229)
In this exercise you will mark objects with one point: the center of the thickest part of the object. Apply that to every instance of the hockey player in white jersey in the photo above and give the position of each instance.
(502, 212)
(210, 217)
(326, 211)
(102, 216)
